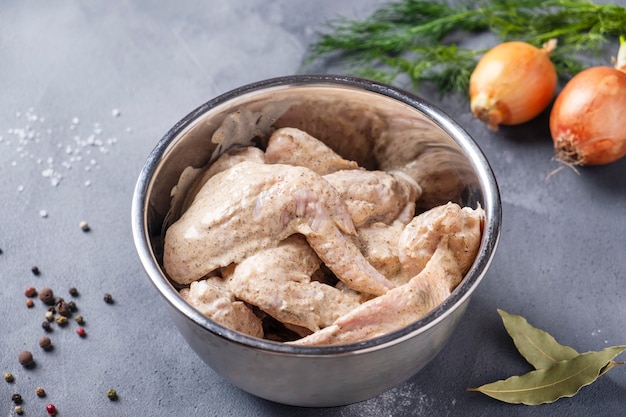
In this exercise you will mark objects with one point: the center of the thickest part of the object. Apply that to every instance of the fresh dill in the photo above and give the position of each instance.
(416, 37)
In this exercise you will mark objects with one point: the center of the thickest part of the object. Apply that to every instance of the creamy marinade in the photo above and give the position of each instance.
(297, 244)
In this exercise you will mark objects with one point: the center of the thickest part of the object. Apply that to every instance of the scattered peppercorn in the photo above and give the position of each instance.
(79, 319)
(49, 315)
(108, 298)
(40, 392)
(45, 343)
(81, 332)
(8, 376)
(46, 326)
(19, 409)
(35, 270)
(16, 398)
(25, 358)
(112, 394)
(30, 292)
(72, 306)
(61, 320)
(46, 295)
(30, 303)
(52, 309)
(84, 226)
(73, 291)
(51, 409)
(63, 308)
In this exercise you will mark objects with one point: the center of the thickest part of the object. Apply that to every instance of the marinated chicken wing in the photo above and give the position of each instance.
(295, 147)
(447, 254)
(379, 244)
(375, 196)
(392, 311)
(228, 160)
(278, 281)
(214, 300)
(422, 236)
(254, 206)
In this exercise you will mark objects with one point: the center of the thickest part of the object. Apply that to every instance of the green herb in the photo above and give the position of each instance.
(560, 371)
(416, 38)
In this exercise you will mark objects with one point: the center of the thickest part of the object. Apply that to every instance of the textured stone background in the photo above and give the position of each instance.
(68, 67)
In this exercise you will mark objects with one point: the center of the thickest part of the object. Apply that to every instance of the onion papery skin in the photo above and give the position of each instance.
(588, 119)
(512, 83)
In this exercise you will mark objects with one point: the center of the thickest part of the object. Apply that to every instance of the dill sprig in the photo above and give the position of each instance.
(417, 37)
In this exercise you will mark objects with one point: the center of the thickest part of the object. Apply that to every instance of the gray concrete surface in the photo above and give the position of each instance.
(88, 88)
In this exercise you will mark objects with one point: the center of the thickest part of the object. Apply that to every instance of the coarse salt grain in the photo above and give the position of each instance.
(43, 213)
(75, 152)
(115, 112)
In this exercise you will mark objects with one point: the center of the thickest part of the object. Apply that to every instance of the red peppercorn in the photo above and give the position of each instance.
(30, 292)
(81, 332)
(51, 409)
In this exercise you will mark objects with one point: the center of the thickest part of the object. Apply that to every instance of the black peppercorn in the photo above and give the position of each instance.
(16, 398)
(73, 291)
(35, 270)
(108, 298)
(72, 306)
(46, 326)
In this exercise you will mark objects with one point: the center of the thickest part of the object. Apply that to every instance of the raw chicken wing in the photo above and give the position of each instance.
(454, 247)
(293, 146)
(254, 206)
(278, 281)
(375, 196)
(213, 299)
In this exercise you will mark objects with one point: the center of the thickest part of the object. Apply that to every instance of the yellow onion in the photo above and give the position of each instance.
(512, 83)
(588, 120)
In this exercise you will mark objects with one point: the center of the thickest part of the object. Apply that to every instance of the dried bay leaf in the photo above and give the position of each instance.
(539, 348)
(564, 379)
(609, 366)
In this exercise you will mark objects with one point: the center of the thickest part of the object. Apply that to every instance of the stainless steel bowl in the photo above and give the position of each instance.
(380, 127)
